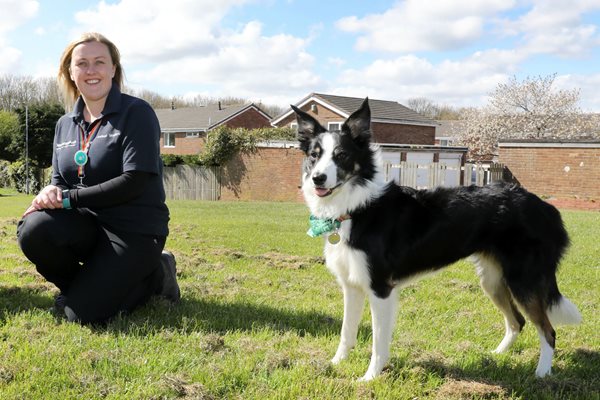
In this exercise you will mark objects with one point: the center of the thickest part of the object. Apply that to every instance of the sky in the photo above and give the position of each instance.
(277, 52)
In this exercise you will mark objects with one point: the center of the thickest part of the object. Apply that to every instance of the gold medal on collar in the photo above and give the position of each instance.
(334, 238)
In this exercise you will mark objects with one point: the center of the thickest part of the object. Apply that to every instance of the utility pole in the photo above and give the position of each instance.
(26, 149)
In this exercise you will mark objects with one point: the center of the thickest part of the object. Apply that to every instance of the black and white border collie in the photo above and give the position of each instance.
(381, 236)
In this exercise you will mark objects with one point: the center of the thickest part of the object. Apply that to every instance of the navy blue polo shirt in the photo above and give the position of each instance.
(127, 140)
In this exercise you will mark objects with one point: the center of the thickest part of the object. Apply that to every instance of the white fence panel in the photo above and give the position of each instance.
(439, 174)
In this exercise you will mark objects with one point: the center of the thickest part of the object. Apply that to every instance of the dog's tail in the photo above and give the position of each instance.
(563, 312)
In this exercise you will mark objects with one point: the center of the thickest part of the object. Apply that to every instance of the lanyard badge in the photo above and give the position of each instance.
(81, 155)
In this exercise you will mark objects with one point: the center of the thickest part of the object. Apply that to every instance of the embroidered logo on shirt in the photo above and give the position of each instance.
(112, 134)
(70, 143)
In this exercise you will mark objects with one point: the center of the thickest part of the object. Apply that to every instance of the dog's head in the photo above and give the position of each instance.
(335, 159)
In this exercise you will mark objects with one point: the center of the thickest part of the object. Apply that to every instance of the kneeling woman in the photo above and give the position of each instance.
(98, 230)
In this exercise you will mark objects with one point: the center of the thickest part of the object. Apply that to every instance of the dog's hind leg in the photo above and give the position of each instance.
(383, 316)
(493, 284)
(544, 305)
(354, 302)
(535, 308)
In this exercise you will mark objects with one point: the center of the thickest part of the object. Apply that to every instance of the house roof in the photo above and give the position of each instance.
(201, 118)
(381, 110)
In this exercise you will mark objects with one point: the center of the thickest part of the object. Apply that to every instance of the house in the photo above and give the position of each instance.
(402, 134)
(184, 130)
(391, 121)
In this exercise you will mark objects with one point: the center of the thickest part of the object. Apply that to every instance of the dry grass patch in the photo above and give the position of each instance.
(187, 390)
(465, 390)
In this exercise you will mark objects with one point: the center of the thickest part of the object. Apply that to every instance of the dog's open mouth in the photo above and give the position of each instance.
(323, 192)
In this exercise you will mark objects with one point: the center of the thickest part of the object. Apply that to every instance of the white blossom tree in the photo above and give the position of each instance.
(530, 109)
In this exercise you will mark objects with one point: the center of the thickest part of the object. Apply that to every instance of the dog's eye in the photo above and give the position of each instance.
(314, 154)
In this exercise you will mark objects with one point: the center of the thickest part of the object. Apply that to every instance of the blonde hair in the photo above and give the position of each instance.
(68, 88)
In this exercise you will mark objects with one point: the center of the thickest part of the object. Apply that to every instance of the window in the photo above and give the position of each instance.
(192, 134)
(169, 139)
(294, 126)
(334, 126)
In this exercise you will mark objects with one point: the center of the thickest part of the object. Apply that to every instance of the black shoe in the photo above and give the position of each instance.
(59, 303)
(170, 288)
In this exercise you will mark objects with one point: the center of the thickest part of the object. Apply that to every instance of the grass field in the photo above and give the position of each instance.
(260, 318)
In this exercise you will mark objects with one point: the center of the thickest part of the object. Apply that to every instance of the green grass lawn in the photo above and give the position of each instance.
(260, 318)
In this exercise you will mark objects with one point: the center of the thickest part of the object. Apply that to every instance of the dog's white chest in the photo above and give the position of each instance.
(348, 264)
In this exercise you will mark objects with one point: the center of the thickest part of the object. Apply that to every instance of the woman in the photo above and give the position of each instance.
(98, 230)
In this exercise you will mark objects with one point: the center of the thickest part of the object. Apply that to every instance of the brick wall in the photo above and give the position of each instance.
(271, 174)
(560, 170)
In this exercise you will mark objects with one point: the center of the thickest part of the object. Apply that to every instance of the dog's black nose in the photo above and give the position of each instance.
(319, 179)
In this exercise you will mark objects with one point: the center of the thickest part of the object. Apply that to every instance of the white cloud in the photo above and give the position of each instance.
(336, 61)
(556, 28)
(151, 30)
(459, 83)
(184, 43)
(10, 59)
(20, 12)
(419, 25)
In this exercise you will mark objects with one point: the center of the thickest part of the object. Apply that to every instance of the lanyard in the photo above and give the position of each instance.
(81, 155)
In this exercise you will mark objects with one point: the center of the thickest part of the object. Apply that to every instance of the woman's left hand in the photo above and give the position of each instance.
(49, 197)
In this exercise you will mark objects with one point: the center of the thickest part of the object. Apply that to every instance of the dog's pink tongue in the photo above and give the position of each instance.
(322, 192)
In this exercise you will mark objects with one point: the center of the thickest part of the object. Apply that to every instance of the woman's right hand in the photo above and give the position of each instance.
(49, 197)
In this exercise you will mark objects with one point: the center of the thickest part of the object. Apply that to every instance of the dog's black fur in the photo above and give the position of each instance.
(428, 229)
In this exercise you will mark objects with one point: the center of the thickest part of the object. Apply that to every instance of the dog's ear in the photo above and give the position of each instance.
(358, 125)
(308, 127)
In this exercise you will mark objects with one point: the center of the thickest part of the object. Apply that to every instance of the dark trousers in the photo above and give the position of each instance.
(101, 271)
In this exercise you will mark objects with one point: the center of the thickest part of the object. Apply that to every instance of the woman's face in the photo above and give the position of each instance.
(92, 70)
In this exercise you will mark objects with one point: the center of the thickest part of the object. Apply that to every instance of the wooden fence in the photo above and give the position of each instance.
(185, 182)
(421, 176)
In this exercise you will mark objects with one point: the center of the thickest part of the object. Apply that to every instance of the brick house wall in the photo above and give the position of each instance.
(183, 145)
(403, 134)
(382, 132)
(270, 174)
(562, 170)
(249, 119)
(322, 114)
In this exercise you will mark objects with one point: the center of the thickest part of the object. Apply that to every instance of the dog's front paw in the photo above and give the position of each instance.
(375, 367)
(542, 372)
(340, 355)
(370, 375)
(338, 358)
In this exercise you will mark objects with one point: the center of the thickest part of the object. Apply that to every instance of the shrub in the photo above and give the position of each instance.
(171, 160)
(16, 172)
(224, 142)
(4, 175)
